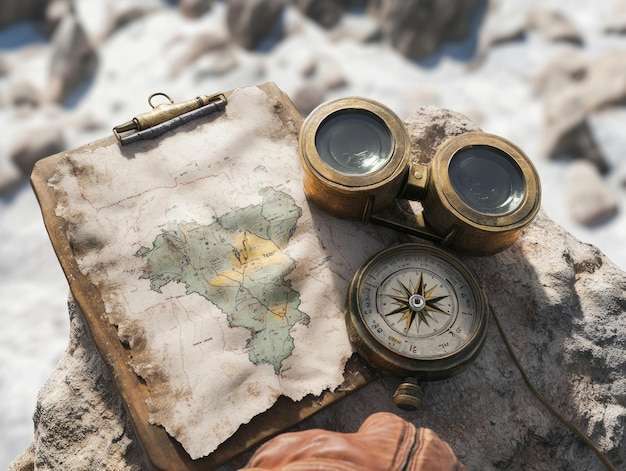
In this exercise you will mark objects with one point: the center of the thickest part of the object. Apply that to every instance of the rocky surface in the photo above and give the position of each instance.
(574, 88)
(573, 85)
(562, 305)
(417, 28)
(592, 202)
(545, 74)
(79, 414)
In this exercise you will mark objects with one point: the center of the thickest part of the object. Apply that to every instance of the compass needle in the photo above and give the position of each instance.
(396, 311)
(408, 316)
(406, 290)
(428, 294)
(430, 306)
(423, 286)
(419, 288)
(423, 317)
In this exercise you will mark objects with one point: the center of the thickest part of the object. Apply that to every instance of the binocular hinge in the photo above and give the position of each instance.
(416, 183)
(395, 217)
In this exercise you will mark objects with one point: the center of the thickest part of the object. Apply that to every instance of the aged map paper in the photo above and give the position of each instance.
(226, 285)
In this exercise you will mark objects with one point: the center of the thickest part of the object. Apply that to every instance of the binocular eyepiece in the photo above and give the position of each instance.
(478, 192)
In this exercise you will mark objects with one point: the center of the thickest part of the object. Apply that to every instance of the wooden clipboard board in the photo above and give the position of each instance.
(161, 451)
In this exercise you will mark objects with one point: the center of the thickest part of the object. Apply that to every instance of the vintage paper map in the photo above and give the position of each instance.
(225, 283)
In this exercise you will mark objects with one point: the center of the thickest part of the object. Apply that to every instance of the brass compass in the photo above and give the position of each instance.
(416, 311)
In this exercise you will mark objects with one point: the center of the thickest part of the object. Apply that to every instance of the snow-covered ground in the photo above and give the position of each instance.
(138, 61)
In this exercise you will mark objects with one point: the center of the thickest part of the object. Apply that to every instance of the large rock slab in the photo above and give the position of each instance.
(80, 421)
(73, 59)
(561, 302)
(417, 28)
(27, 10)
(251, 23)
(574, 88)
(589, 198)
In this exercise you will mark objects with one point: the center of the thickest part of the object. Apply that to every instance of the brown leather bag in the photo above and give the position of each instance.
(384, 442)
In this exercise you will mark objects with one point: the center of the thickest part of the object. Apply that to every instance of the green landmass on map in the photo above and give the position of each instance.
(237, 262)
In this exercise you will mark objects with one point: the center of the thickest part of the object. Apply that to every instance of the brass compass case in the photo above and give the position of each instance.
(415, 310)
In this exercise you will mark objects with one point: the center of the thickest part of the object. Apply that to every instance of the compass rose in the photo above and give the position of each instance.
(416, 303)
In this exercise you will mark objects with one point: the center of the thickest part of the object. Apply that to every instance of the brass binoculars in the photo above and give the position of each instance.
(477, 193)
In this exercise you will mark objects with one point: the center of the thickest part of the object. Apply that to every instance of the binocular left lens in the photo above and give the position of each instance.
(354, 142)
(354, 153)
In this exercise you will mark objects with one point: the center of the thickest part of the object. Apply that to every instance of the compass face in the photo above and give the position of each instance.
(420, 303)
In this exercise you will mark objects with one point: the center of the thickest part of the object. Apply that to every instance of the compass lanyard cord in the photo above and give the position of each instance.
(609, 466)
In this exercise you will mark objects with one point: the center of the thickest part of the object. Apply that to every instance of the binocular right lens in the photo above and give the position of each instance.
(487, 179)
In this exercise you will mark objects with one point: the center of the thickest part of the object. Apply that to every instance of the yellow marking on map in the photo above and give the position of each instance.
(250, 254)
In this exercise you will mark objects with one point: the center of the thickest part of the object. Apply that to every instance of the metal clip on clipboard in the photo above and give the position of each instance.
(167, 116)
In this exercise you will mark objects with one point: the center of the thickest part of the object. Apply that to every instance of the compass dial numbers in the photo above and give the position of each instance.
(418, 305)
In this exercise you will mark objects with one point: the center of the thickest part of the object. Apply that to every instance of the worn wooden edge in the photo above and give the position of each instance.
(161, 451)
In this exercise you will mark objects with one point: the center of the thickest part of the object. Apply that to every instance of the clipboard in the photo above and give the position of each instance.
(161, 451)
